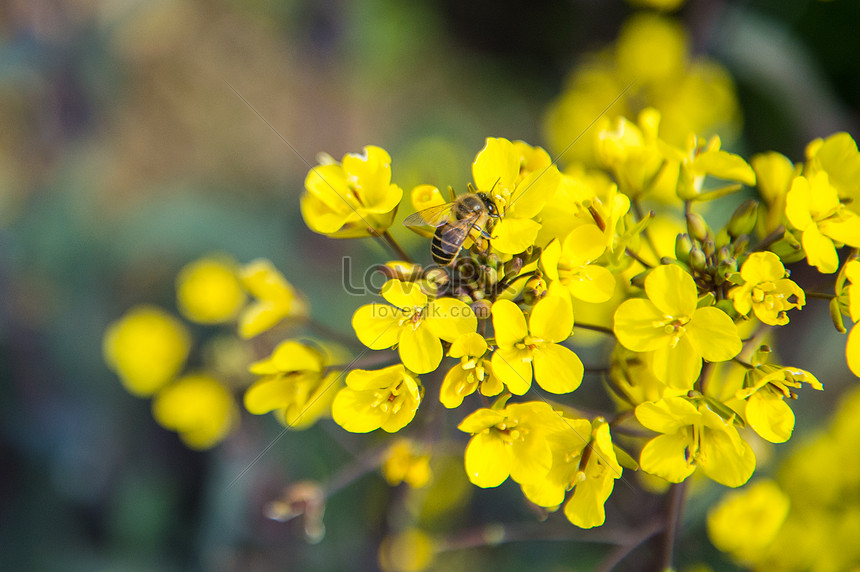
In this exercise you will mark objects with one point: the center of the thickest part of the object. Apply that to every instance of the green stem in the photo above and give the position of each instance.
(594, 328)
(398, 250)
(820, 295)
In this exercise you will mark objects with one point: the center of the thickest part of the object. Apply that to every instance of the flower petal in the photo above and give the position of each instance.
(672, 290)
(557, 369)
(666, 456)
(488, 460)
(552, 319)
(420, 349)
(635, 326)
(508, 323)
(713, 334)
(513, 368)
(377, 325)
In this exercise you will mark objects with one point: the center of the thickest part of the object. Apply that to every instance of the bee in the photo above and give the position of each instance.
(455, 222)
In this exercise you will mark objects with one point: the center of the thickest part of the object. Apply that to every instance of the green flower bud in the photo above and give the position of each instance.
(683, 245)
(744, 219)
(698, 260)
(697, 227)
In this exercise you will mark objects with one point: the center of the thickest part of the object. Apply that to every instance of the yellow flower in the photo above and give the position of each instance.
(208, 290)
(648, 66)
(294, 383)
(146, 348)
(524, 349)
(197, 407)
(766, 290)
(387, 398)
(520, 179)
(812, 207)
(838, 156)
(693, 436)
(765, 388)
(774, 173)
(632, 152)
(414, 323)
(277, 300)
(508, 442)
(701, 159)
(405, 462)
(472, 371)
(352, 199)
(412, 550)
(852, 347)
(584, 461)
(570, 263)
(746, 522)
(669, 324)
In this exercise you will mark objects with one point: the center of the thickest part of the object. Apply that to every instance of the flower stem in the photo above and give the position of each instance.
(820, 295)
(769, 239)
(594, 328)
(386, 237)
(673, 520)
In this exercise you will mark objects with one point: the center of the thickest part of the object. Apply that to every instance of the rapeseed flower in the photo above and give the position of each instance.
(766, 290)
(353, 198)
(386, 398)
(669, 324)
(414, 323)
(532, 349)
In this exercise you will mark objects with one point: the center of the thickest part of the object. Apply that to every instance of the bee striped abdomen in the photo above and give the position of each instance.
(446, 244)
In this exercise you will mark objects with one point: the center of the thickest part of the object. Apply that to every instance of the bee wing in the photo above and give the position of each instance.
(433, 216)
(455, 234)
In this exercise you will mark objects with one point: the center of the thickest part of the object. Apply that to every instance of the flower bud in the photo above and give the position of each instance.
(697, 227)
(534, 290)
(836, 316)
(698, 260)
(683, 245)
(744, 219)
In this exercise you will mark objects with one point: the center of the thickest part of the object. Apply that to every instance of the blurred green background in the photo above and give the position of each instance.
(125, 152)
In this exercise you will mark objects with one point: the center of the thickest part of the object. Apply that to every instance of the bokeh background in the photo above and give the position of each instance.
(126, 150)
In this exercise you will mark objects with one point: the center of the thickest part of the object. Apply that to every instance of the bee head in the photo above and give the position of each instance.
(489, 204)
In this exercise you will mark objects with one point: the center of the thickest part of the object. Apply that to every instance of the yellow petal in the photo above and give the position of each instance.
(404, 295)
(509, 323)
(668, 415)
(449, 318)
(672, 290)
(677, 367)
(557, 369)
(514, 235)
(420, 350)
(820, 251)
(488, 461)
(594, 284)
(635, 326)
(532, 192)
(721, 462)
(852, 350)
(377, 325)
(665, 456)
(552, 319)
(498, 163)
(713, 334)
(513, 368)
(770, 416)
(798, 203)
(583, 245)
(357, 411)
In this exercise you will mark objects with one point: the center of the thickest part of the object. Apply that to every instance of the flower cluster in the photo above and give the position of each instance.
(535, 266)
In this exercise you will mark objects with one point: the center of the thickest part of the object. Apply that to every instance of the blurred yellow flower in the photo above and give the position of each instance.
(208, 290)
(277, 299)
(746, 521)
(351, 199)
(294, 383)
(197, 407)
(405, 462)
(146, 348)
(409, 551)
(649, 65)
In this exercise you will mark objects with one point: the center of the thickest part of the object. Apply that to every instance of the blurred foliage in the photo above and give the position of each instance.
(127, 148)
